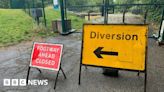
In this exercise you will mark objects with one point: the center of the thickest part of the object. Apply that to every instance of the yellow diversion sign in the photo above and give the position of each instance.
(115, 46)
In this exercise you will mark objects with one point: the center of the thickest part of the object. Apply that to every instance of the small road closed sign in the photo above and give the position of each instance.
(116, 46)
(46, 56)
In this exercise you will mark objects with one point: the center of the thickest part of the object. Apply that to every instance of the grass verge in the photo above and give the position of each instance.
(15, 26)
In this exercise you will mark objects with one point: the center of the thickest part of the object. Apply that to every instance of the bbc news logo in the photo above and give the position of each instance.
(22, 82)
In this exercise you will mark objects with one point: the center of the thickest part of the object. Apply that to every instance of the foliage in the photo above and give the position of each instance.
(154, 12)
(52, 14)
(4, 3)
(28, 3)
(124, 1)
(82, 3)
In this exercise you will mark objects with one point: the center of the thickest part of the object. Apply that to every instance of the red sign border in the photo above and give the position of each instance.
(62, 46)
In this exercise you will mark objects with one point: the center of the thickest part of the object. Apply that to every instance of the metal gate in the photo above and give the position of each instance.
(105, 8)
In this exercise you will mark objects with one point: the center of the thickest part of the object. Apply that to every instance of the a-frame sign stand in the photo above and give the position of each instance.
(145, 71)
(83, 48)
(56, 79)
(145, 75)
(52, 54)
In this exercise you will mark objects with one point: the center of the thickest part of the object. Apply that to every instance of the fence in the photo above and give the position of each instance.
(152, 13)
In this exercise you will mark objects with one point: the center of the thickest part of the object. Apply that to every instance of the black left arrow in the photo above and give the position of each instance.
(98, 52)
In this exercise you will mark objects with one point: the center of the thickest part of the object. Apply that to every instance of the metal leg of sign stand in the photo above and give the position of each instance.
(145, 82)
(58, 75)
(28, 73)
(86, 67)
(63, 73)
(138, 73)
(56, 79)
(39, 70)
(80, 74)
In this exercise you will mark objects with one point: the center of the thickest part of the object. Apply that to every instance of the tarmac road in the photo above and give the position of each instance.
(14, 62)
(92, 78)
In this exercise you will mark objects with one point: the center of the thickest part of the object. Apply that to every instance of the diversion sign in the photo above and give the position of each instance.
(116, 46)
(46, 56)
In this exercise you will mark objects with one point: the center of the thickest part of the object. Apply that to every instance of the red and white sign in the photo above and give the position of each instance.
(46, 56)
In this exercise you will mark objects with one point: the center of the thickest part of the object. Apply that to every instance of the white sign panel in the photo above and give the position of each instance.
(56, 4)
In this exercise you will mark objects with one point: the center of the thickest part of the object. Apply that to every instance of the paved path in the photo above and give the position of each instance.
(118, 18)
(14, 63)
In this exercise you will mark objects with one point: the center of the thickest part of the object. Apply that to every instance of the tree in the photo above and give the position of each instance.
(4, 3)
(124, 1)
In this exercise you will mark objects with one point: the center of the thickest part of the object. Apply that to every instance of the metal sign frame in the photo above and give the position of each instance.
(146, 51)
(60, 69)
